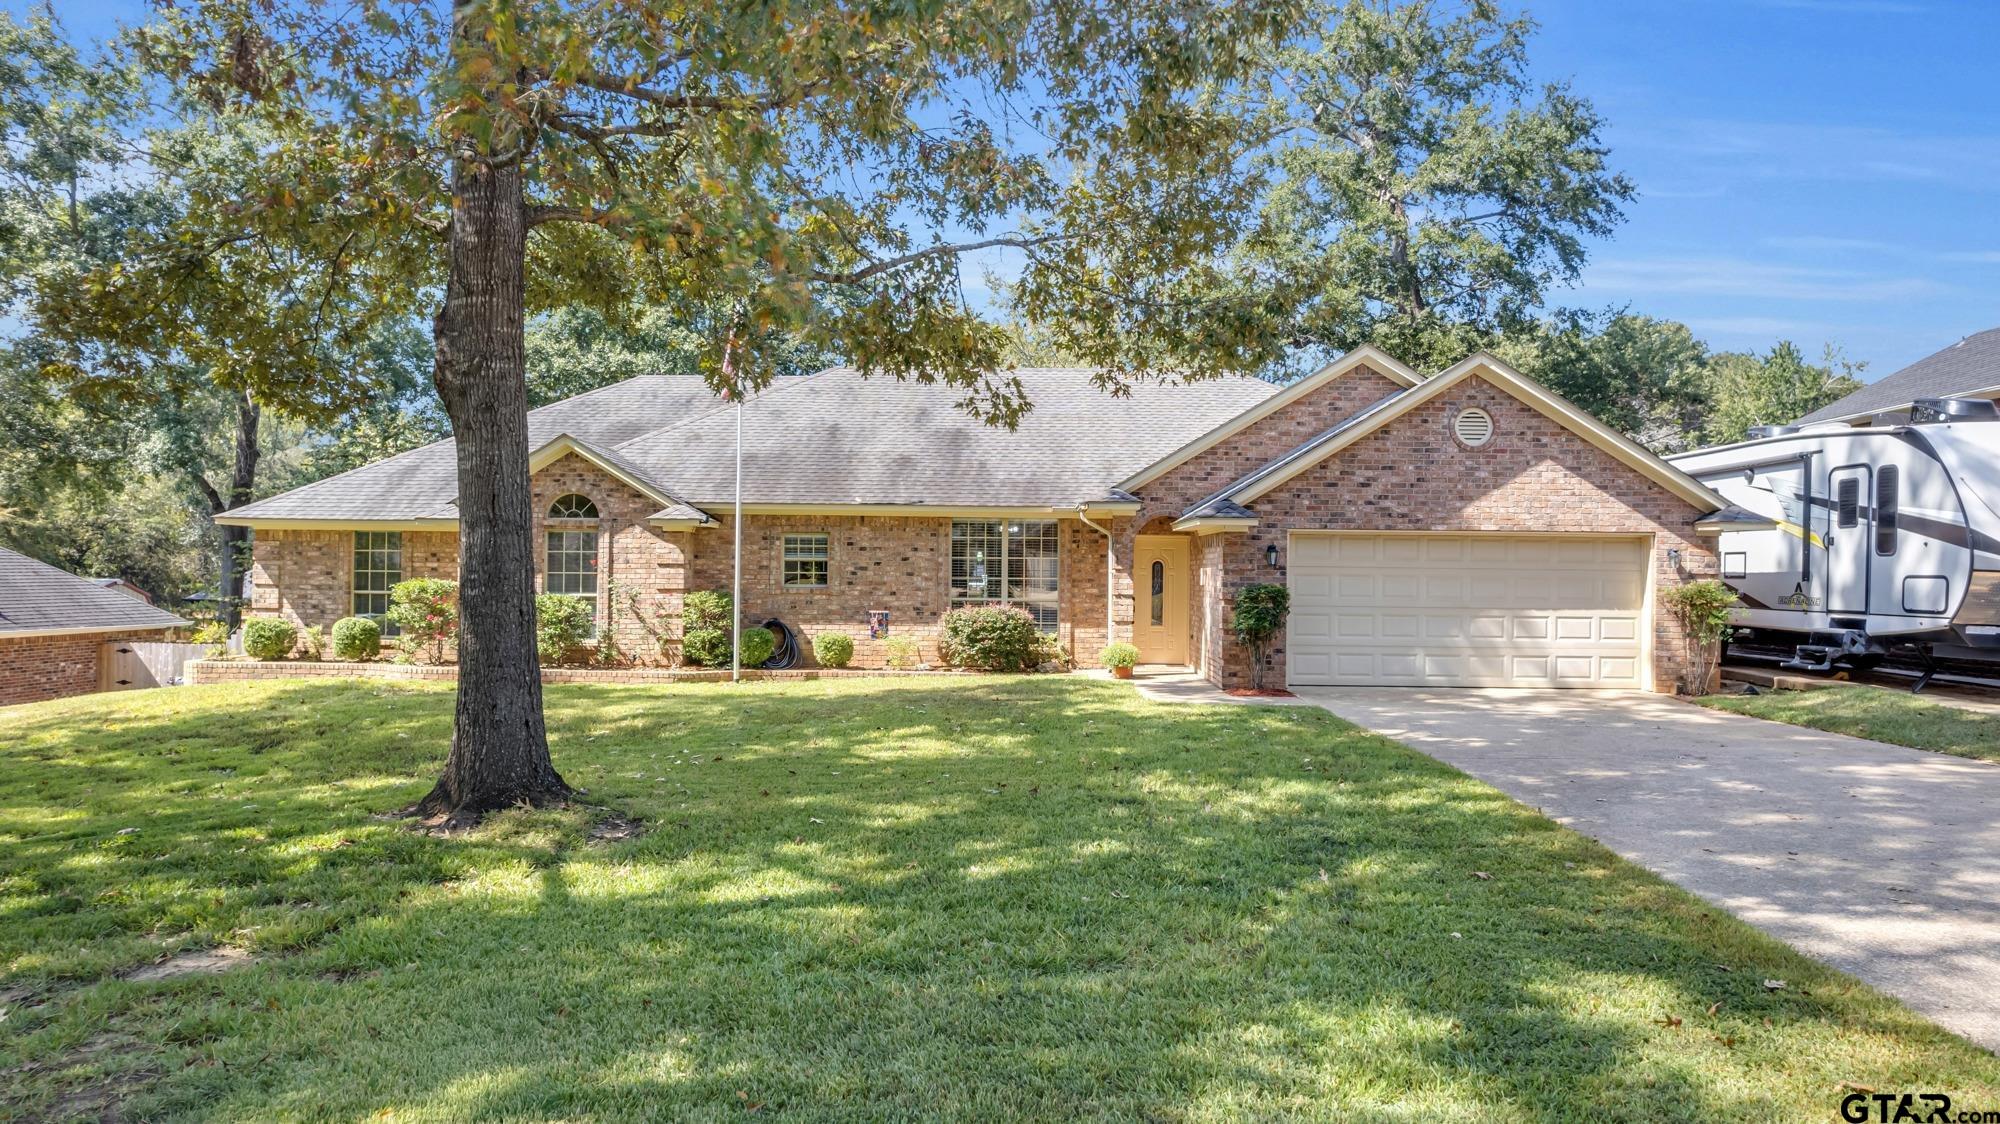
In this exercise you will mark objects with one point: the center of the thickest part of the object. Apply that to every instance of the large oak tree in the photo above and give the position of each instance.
(821, 168)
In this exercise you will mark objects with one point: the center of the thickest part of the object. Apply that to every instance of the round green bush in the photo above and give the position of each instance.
(990, 638)
(758, 644)
(1119, 654)
(265, 638)
(356, 638)
(833, 649)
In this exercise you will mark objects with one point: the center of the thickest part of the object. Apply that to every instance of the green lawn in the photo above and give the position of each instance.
(1897, 717)
(982, 899)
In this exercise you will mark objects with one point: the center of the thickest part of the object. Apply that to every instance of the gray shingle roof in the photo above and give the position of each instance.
(422, 483)
(838, 437)
(1971, 364)
(37, 597)
(833, 437)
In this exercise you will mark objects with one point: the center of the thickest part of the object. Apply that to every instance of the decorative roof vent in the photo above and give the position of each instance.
(1473, 427)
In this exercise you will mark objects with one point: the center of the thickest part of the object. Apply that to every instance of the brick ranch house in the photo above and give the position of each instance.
(55, 629)
(1470, 528)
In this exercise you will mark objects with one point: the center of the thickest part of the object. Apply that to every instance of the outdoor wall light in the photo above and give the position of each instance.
(1271, 556)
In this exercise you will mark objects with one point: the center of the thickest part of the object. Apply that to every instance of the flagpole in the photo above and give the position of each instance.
(736, 577)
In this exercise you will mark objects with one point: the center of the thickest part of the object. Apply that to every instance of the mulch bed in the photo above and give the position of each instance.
(1260, 693)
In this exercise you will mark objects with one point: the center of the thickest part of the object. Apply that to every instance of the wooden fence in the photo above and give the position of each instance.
(126, 665)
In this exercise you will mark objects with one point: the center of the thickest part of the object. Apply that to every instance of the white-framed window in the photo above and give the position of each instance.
(378, 566)
(1009, 561)
(570, 562)
(805, 562)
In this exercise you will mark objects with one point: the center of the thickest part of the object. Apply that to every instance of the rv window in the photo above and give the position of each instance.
(1848, 499)
(1886, 481)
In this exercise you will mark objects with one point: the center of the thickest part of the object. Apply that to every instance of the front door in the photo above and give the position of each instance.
(1850, 528)
(1160, 599)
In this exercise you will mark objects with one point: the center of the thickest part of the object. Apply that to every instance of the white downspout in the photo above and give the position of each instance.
(1110, 573)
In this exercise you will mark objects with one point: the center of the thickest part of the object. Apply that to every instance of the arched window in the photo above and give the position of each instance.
(572, 506)
(571, 565)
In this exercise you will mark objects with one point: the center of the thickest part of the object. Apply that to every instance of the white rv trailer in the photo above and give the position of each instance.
(1847, 543)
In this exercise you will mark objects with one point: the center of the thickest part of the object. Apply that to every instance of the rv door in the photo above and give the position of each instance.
(1850, 528)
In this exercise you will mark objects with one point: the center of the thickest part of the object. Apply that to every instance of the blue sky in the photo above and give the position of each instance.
(1826, 171)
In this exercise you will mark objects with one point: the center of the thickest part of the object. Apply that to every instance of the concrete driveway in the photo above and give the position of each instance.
(1879, 860)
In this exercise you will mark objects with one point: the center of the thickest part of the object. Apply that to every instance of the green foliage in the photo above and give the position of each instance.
(706, 620)
(833, 649)
(1778, 388)
(902, 653)
(268, 638)
(705, 624)
(1258, 615)
(425, 611)
(1896, 717)
(1421, 192)
(705, 647)
(312, 643)
(1051, 654)
(1706, 609)
(357, 638)
(990, 638)
(562, 625)
(1647, 378)
(213, 633)
(759, 643)
(1119, 654)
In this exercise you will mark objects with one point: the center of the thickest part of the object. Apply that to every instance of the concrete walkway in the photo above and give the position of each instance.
(1879, 860)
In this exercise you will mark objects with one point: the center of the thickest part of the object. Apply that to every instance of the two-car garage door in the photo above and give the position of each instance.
(1467, 610)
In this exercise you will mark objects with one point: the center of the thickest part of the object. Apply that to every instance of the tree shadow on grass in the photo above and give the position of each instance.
(979, 900)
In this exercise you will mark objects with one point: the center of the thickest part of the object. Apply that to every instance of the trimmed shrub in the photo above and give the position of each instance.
(356, 638)
(833, 649)
(312, 645)
(705, 608)
(1706, 609)
(902, 653)
(990, 638)
(426, 611)
(213, 633)
(266, 638)
(562, 625)
(759, 643)
(705, 647)
(1260, 613)
(1120, 654)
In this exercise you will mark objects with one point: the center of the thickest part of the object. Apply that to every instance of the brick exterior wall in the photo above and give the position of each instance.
(1413, 475)
(38, 668)
(1164, 500)
(307, 577)
(899, 564)
(1534, 475)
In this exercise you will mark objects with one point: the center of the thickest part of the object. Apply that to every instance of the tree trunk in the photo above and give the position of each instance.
(499, 747)
(234, 559)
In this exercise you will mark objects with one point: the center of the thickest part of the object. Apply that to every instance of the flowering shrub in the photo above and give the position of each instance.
(426, 611)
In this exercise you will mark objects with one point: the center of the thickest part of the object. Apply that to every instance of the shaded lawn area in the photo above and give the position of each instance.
(1896, 717)
(983, 899)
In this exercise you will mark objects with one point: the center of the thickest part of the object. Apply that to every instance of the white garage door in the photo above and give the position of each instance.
(1467, 610)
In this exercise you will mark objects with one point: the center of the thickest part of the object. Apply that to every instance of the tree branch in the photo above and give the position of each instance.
(755, 103)
(941, 250)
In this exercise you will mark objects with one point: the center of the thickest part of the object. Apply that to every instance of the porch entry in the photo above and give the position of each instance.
(1160, 598)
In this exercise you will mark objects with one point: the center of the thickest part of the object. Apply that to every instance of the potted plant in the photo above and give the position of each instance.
(1120, 657)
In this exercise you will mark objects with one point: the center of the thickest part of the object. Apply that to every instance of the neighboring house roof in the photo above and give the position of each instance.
(1227, 508)
(124, 587)
(833, 438)
(37, 599)
(1968, 368)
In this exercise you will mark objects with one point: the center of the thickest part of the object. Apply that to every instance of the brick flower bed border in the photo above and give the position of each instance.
(245, 671)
